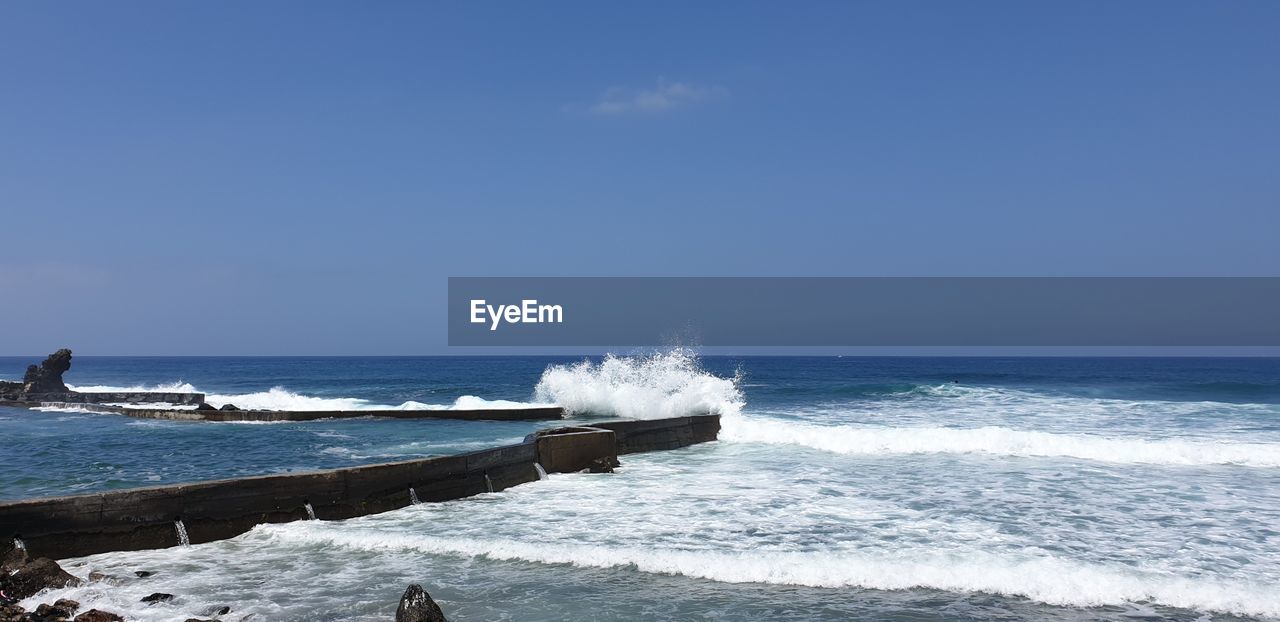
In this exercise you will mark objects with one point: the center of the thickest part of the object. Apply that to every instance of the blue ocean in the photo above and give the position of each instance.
(841, 488)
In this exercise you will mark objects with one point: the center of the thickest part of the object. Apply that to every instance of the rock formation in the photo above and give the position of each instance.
(93, 615)
(416, 606)
(22, 578)
(10, 389)
(47, 378)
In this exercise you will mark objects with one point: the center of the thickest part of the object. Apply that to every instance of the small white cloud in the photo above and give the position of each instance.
(663, 97)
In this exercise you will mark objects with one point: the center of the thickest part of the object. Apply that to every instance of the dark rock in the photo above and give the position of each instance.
(217, 610)
(55, 612)
(66, 604)
(205, 406)
(10, 390)
(93, 615)
(30, 578)
(47, 378)
(416, 606)
(142, 574)
(158, 597)
(228, 407)
(11, 557)
(603, 465)
(198, 620)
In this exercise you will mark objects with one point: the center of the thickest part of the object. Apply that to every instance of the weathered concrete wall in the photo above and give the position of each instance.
(143, 518)
(661, 434)
(485, 414)
(488, 414)
(566, 450)
(77, 397)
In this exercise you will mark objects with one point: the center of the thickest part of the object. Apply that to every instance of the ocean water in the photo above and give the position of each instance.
(841, 488)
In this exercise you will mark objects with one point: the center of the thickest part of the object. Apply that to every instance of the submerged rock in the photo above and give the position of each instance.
(603, 465)
(60, 611)
(158, 597)
(416, 606)
(142, 574)
(28, 579)
(93, 615)
(217, 610)
(47, 378)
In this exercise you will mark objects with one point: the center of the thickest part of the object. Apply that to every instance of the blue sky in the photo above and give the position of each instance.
(301, 178)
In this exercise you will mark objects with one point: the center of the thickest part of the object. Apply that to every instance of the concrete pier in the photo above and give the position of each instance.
(541, 413)
(129, 397)
(144, 518)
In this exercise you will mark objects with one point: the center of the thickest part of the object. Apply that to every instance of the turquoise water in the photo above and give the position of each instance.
(908, 489)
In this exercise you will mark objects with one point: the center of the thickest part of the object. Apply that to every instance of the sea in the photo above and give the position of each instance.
(841, 488)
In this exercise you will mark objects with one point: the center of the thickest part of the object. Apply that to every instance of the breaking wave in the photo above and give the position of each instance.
(1000, 441)
(280, 398)
(1049, 580)
(667, 384)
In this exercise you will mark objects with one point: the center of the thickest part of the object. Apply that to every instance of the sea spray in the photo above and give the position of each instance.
(665, 384)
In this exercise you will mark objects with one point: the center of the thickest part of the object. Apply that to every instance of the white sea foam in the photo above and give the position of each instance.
(669, 384)
(280, 398)
(1049, 580)
(69, 409)
(172, 387)
(1000, 441)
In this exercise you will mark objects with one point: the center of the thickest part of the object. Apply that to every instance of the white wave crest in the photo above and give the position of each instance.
(86, 410)
(280, 398)
(172, 387)
(999, 441)
(669, 384)
(1048, 580)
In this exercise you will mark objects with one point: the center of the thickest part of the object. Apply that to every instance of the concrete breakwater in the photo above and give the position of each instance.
(537, 413)
(131, 397)
(42, 387)
(159, 517)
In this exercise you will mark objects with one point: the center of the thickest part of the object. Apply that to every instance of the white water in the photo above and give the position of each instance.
(662, 385)
(183, 538)
(311, 512)
(413, 496)
(280, 398)
(1045, 579)
(542, 473)
(1066, 501)
(19, 544)
(998, 441)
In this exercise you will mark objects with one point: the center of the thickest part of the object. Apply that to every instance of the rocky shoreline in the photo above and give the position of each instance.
(22, 578)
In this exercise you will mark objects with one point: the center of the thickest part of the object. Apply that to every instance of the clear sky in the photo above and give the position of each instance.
(302, 177)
